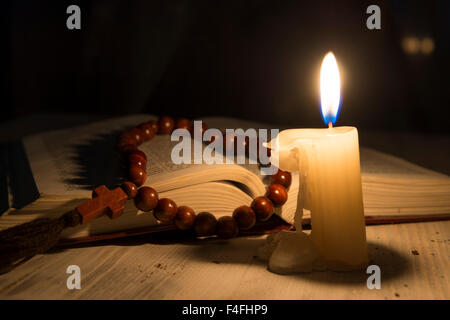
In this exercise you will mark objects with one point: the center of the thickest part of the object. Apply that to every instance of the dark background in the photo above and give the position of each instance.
(254, 59)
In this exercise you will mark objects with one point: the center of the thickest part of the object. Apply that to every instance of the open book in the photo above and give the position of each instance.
(67, 164)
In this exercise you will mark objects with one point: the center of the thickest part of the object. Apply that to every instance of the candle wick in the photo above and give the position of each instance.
(330, 125)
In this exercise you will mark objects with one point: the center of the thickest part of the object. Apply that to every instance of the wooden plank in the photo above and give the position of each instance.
(154, 267)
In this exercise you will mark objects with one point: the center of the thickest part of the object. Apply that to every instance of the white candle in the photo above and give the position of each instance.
(330, 183)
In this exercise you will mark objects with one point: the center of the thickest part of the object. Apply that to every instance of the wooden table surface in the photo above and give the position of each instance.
(151, 267)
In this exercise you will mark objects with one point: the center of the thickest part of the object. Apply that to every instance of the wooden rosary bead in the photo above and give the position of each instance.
(227, 227)
(154, 124)
(281, 177)
(166, 125)
(135, 159)
(277, 194)
(124, 140)
(137, 134)
(130, 189)
(126, 135)
(185, 218)
(127, 148)
(205, 224)
(263, 208)
(137, 175)
(146, 199)
(166, 210)
(138, 154)
(148, 131)
(245, 217)
(71, 218)
(183, 123)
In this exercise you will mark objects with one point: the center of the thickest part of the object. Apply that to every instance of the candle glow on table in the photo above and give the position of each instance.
(330, 187)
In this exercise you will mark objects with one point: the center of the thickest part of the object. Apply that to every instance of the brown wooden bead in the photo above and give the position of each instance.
(137, 134)
(183, 123)
(227, 227)
(71, 218)
(205, 224)
(146, 199)
(138, 154)
(281, 177)
(185, 218)
(148, 130)
(245, 217)
(135, 159)
(126, 135)
(277, 194)
(128, 148)
(166, 210)
(154, 124)
(124, 140)
(166, 125)
(137, 175)
(263, 208)
(130, 189)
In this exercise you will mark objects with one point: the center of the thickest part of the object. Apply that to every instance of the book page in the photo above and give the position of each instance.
(160, 162)
(375, 163)
(74, 161)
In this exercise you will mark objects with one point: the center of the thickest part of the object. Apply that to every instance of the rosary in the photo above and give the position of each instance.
(20, 243)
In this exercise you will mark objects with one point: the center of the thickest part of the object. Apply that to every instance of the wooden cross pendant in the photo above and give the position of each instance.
(104, 201)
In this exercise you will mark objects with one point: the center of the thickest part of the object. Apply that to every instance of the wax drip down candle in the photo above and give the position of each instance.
(330, 182)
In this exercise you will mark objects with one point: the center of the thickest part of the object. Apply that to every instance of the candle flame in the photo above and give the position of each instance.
(330, 87)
